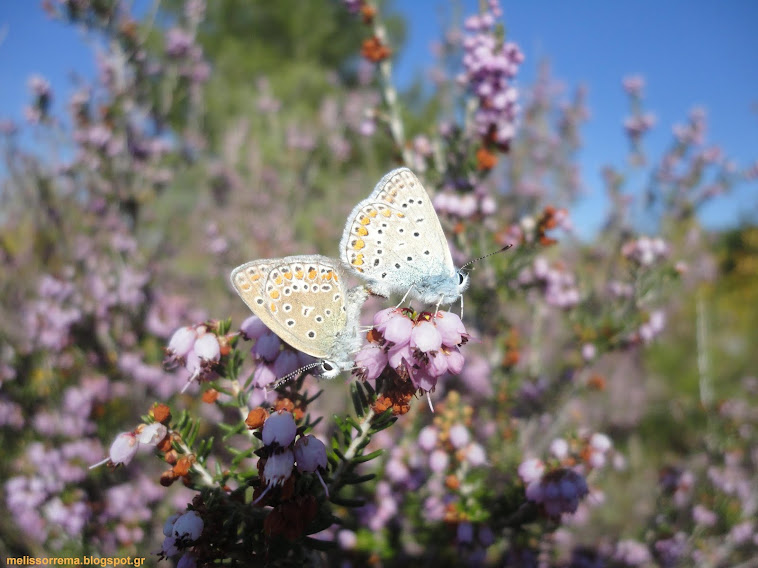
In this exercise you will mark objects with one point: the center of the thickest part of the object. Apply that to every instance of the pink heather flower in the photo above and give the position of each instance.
(703, 516)
(310, 454)
(207, 348)
(279, 428)
(367, 127)
(559, 448)
(476, 455)
(180, 345)
(278, 467)
(152, 434)
(347, 539)
(396, 328)
(399, 356)
(427, 438)
(188, 526)
(487, 206)
(381, 317)
(589, 351)
(178, 42)
(599, 442)
(438, 461)
(39, 86)
(122, 451)
(459, 436)
(633, 85)
(424, 348)
(372, 360)
(451, 328)
(425, 337)
(263, 376)
(531, 470)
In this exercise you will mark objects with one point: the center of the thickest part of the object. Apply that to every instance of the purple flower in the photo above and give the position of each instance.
(267, 347)
(188, 526)
(558, 491)
(178, 42)
(279, 428)
(310, 454)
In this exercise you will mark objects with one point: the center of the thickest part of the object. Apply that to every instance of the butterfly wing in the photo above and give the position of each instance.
(302, 299)
(394, 239)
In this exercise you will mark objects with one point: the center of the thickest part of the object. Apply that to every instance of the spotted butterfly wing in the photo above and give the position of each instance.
(395, 242)
(303, 300)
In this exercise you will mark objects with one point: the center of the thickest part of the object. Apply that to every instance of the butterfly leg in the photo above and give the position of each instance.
(404, 297)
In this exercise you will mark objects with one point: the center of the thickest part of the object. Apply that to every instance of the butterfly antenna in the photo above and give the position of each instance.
(505, 248)
(286, 378)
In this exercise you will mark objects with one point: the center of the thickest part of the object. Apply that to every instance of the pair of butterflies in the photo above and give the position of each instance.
(393, 241)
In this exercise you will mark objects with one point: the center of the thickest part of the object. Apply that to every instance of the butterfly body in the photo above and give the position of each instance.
(305, 301)
(394, 241)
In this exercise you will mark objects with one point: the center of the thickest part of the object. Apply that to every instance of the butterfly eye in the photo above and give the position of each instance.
(462, 278)
(326, 366)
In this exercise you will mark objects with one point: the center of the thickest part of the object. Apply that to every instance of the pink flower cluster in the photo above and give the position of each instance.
(421, 349)
(556, 282)
(195, 347)
(645, 251)
(490, 65)
(465, 205)
(639, 124)
(125, 446)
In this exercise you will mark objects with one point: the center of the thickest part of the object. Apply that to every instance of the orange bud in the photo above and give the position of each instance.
(255, 418)
(161, 413)
(210, 396)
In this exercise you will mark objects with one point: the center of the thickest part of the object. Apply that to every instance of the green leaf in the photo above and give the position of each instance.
(368, 457)
(345, 502)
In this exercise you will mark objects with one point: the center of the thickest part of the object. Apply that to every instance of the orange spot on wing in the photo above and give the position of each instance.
(278, 280)
(288, 275)
(255, 277)
(359, 244)
(387, 213)
(362, 231)
(299, 274)
(272, 307)
(274, 295)
(312, 274)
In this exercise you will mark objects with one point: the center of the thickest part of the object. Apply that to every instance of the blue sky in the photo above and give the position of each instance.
(692, 53)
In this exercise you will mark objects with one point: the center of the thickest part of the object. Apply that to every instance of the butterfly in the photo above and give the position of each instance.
(394, 241)
(304, 300)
